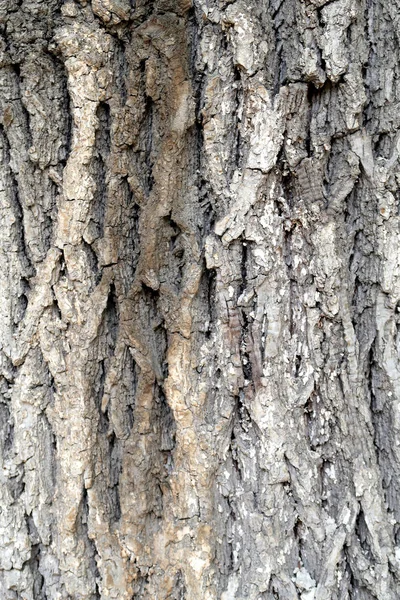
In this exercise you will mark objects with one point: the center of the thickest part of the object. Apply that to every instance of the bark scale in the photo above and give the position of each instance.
(200, 291)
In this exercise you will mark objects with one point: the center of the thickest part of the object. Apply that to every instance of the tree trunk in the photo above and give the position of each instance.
(200, 292)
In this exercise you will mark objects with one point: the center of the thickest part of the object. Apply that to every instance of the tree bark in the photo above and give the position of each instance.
(200, 292)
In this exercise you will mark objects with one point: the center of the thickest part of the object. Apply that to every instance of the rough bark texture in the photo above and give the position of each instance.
(200, 294)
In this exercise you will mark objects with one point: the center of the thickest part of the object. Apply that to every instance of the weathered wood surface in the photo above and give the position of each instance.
(200, 292)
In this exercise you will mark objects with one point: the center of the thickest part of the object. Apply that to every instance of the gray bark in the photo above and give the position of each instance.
(200, 292)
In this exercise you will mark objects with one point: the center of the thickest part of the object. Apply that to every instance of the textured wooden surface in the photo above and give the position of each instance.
(200, 291)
